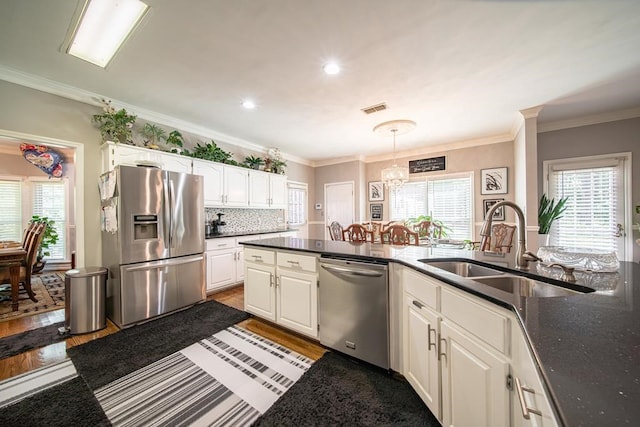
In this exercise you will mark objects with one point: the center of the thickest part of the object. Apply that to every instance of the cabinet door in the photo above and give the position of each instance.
(259, 290)
(419, 349)
(278, 191)
(120, 154)
(221, 268)
(236, 186)
(474, 381)
(213, 174)
(297, 297)
(258, 189)
(240, 264)
(176, 163)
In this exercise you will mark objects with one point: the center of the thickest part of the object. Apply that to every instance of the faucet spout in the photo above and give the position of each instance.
(522, 260)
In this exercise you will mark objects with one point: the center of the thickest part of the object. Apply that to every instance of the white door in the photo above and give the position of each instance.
(598, 190)
(339, 203)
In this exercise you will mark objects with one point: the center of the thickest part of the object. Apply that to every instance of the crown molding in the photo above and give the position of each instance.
(533, 112)
(337, 160)
(91, 98)
(593, 119)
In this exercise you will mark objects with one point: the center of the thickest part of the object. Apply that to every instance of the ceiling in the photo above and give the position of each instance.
(461, 69)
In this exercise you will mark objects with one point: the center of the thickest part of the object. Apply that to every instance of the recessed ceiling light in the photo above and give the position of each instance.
(103, 27)
(331, 68)
(249, 104)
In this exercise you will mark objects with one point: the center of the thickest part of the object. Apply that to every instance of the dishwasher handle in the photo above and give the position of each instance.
(352, 271)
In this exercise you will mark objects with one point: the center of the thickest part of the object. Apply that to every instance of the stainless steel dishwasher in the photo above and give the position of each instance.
(353, 306)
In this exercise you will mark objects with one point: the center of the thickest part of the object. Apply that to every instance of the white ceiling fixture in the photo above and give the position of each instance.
(331, 68)
(103, 27)
(396, 175)
(249, 104)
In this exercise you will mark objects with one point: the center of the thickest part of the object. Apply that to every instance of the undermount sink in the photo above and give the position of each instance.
(525, 287)
(463, 269)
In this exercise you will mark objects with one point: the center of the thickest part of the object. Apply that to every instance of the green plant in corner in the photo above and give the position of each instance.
(115, 125)
(49, 238)
(253, 162)
(152, 134)
(549, 211)
(277, 166)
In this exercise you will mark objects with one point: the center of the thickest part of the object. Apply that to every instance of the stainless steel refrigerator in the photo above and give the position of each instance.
(156, 254)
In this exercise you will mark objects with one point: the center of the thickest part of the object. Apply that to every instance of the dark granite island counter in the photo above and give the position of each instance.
(587, 345)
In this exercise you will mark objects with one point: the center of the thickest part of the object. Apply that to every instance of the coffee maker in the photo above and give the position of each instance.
(213, 228)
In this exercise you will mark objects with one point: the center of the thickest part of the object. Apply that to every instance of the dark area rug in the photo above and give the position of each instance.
(16, 344)
(68, 404)
(104, 360)
(337, 391)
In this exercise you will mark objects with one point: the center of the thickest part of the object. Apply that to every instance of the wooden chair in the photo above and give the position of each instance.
(32, 239)
(501, 239)
(428, 229)
(335, 231)
(399, 235)
(357, 233)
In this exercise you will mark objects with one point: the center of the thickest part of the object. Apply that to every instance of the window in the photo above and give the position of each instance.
(11, 212)
(49, 199)
(445, 198)
(594, 206)
(297, 205)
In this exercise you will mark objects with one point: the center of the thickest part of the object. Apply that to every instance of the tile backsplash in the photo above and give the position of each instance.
(239, 220)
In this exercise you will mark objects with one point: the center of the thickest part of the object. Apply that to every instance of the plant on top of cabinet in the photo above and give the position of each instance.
(176, 140)
(277, 166)
(253, 162)
(211, 152)
(115, 125)
(153, 135)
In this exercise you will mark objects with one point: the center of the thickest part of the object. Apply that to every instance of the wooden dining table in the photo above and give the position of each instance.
(11, 257)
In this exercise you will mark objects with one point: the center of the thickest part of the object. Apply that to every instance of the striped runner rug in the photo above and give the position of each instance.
(230, 378)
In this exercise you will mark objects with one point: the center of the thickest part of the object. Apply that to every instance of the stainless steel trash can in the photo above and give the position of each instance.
(85, 291)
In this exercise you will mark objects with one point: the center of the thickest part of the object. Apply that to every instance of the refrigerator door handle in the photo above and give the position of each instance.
(168, 207)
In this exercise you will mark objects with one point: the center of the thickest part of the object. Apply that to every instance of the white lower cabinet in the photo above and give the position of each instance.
(221, 263)
(462, 356)
(282, 287)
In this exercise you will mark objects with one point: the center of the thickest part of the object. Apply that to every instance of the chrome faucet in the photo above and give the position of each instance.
(522, 255)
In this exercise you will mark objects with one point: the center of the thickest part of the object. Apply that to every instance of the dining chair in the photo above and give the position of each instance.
(500, 240)
(428, 229)
(335, 231)
(33, 238)
(357, 233)
(399, 235)
(375, 227)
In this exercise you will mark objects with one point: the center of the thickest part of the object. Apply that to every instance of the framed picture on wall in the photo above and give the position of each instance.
(376, 191)
(493, 181)
(376, 211)
(498, 215)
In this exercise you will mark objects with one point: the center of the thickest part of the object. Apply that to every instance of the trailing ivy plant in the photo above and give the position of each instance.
(212, 152)
(549, 211)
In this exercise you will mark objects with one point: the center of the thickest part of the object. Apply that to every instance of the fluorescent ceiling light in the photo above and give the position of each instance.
(104, 26)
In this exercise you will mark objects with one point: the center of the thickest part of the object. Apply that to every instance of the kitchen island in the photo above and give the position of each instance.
(586, 346)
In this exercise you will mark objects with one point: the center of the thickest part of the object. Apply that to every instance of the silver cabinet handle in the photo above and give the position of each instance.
(277, 281)
(257, 258)
(442, 354)
(418, 304)
(271, 280)
(429, 343)
(294, 263)
(523, 405)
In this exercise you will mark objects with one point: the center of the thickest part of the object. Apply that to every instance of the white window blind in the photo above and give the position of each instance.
(296, 210)
(590, 219)
(49, 200)
(11, 210)
(447, 199)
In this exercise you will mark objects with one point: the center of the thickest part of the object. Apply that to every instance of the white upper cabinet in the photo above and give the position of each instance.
(213, 174)
(236, 186)
(267, 190)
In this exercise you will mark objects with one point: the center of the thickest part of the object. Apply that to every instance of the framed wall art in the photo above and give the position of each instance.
(498, 215)
(376, 191)
(494, 181)
(376, 211)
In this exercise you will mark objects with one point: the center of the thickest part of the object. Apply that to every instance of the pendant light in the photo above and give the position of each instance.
(395, 176)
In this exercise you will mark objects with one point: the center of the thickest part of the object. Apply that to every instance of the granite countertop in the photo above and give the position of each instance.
(249, 233)
(586, 345)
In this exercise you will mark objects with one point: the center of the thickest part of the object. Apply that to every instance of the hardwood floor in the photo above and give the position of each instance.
(54, 353)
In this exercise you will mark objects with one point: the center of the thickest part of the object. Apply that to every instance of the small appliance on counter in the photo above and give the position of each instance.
(213, 227)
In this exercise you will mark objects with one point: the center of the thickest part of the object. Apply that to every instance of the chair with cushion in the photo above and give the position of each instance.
(32, 239)
(357, 233)
(399, 235)
(501, 239)
(335, 231)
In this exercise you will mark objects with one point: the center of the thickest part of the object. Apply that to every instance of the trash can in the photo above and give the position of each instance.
(85, 292)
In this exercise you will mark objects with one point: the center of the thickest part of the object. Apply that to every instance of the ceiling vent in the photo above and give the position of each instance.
(375, 108)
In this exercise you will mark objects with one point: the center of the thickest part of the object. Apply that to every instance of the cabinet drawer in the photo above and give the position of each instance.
(296, 261)
(259, 255)
(421, 286)
(482, 321)
(222, 243)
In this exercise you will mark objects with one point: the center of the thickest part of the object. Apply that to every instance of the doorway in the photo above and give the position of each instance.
(339, 204)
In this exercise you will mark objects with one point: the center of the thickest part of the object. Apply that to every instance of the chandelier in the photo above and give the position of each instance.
(396, 175)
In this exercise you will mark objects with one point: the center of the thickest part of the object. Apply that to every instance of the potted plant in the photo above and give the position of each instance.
(176, 140)
(277, 166)
(153, 135)
(49, 238)
(253, 162)
(115, 125)
(548, 212)
(211, 152)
